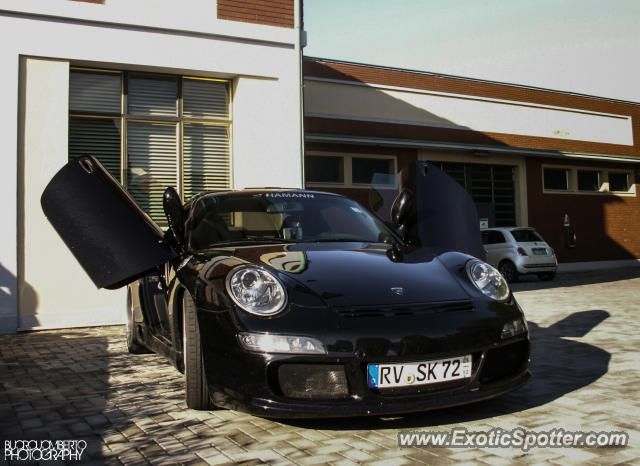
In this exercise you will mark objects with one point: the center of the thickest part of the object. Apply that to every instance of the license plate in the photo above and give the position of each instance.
(540, 252)
(418, 373)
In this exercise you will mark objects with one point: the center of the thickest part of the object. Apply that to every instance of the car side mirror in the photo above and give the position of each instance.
(401, 211)
(174, 211)
(375, 200)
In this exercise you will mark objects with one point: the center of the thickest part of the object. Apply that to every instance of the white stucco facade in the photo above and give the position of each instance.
(41, 285)
(390, 104)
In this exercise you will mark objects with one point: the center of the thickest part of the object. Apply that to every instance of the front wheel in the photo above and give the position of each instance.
(196, 389)
(508, 271)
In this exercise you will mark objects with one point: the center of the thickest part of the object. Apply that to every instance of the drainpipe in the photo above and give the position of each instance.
(302, 42)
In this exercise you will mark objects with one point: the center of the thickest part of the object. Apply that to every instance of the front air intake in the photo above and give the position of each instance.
(505, 361)
(313, 381)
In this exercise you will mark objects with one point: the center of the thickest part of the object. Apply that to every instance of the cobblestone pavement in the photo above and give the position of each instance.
(82, 384)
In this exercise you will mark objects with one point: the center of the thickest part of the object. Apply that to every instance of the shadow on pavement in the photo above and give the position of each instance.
(82, 385)
(567, 279)
(54, 387)
(559, 366)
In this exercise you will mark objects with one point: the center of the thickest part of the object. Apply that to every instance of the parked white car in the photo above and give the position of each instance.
(516, 251)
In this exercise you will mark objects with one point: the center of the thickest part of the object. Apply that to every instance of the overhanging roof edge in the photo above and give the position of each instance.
(423, 144)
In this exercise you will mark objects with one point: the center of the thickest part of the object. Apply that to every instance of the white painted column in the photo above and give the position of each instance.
(54, 291)
(266, 132)
(8, 189)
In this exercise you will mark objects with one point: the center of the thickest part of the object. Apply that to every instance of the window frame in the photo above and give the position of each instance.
(604, 189)
(179, 119)
(567, 173)
(630, 183)
(600, 180)
(328, 183)
(347, 160)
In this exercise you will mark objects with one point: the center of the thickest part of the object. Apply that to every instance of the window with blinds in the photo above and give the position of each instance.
(153, 131)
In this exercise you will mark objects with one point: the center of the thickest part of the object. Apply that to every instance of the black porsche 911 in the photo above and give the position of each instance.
(296, 303)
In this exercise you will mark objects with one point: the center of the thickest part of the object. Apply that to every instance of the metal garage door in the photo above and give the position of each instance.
(490, 186)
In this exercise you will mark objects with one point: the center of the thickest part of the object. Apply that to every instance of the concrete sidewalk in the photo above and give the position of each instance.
(82, 384)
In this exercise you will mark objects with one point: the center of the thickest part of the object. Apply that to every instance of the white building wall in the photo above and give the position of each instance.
(8, 190)
(260, 147)
(188, 16)
(388, 104)
(154, 36)
(53, 290)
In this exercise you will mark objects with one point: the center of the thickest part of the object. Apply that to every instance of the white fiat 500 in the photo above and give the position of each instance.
(518, 251)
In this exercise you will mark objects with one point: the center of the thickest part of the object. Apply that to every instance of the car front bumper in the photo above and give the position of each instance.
(251, 382)
(291, 409)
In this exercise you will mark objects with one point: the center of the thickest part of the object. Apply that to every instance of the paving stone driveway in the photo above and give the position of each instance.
(82, 384)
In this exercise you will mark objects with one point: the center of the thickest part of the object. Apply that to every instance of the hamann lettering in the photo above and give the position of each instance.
(291, 195)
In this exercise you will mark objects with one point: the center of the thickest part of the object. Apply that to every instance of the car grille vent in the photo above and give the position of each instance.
(404, 310)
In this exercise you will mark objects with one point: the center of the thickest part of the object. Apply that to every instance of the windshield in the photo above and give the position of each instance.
(280, 216)
(526, 236)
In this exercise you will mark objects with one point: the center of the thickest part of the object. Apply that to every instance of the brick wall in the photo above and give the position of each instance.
(433, 82)
(607, 227)
(268, 12)
(404, 158)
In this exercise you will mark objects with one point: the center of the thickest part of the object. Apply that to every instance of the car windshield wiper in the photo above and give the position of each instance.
(338, 240)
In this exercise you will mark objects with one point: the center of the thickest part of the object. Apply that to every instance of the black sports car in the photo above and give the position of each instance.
(295, 303)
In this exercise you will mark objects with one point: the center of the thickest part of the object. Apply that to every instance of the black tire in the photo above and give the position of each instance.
(508, 271)
(133, 345)
(196, 388)
(547, 276)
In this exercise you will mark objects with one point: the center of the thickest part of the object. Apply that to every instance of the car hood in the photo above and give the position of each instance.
(350, 274)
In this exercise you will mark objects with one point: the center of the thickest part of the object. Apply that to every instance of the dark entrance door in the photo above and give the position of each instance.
(491, 187)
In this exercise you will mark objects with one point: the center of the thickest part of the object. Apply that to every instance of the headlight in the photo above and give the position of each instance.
(256, 291)
(488, 280)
